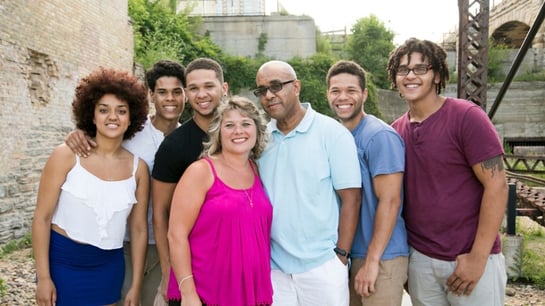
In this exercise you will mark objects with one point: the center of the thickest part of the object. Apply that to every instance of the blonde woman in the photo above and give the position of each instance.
(220, 220)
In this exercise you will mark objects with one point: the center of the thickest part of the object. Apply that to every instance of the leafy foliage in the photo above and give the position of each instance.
(3, 288)
(370, 106)
(529, 263)
(322, 43)
(160, 33)
(240, 71)
(370, 45)
(312, 73)
(15, 245)
(496, 54)
(261, 43)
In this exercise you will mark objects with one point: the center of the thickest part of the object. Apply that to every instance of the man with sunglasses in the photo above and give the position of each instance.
(455, 186)
(311, 173)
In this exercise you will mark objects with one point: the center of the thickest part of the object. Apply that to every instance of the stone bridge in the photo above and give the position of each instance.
(510, 21)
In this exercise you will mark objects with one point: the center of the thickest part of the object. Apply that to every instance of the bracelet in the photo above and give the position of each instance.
(184, 279)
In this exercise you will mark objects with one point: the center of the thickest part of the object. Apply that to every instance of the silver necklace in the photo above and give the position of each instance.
(249, 197)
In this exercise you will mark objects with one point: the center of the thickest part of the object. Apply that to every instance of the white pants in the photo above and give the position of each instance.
(326, 285)
(428, 282)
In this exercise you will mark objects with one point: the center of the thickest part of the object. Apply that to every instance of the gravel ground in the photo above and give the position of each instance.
(17, 273)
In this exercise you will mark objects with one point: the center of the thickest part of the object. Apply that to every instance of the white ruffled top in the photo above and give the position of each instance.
(95, 211)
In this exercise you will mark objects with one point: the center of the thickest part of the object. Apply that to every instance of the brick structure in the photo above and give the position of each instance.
(46, 46)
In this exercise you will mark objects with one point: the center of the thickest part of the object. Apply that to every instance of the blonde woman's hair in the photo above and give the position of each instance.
(247, 108)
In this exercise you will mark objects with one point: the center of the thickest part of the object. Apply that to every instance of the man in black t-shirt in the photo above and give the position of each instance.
(204, 90)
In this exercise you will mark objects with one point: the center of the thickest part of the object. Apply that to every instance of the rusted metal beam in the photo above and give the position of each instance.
(530, 201)
(532, 213)
(473, 50)
(525, 164)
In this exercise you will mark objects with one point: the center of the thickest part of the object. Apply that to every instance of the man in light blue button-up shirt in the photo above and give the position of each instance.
(311, 173)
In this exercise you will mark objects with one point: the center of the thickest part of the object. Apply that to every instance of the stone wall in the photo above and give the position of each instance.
(46, 46)
(521, 113)
(284, 37)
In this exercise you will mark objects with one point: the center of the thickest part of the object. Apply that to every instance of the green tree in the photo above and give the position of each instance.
(312, 72)
(161, 33)
(240, 71)
(370, 45)
(370, 106)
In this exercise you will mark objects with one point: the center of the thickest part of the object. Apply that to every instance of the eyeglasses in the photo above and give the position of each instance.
(417, 70)
(274, 87)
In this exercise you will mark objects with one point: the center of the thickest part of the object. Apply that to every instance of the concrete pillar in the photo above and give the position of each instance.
(513, 250)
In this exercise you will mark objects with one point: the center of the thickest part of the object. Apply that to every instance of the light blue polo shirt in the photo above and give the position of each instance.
(300, 172)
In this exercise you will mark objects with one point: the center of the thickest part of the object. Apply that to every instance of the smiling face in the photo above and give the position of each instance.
(415, 87)
(111, 116)
(346, 97)
(281, 105)
(168, 98)
(204, 91)
(238, 132)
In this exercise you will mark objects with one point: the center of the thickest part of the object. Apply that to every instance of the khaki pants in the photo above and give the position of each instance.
(391, 278)
(152, 276)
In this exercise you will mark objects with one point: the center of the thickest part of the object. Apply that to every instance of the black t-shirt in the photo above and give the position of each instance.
(177, 151)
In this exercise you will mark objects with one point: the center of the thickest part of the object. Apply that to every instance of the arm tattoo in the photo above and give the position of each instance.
(494, 164)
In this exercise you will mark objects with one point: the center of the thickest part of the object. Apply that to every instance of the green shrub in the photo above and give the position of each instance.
(3, 288)
(533, 263)
(15, 245)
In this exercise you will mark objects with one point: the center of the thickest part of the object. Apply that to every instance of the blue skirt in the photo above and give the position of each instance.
(84, 274)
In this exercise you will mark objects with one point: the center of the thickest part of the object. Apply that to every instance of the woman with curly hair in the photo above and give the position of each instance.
(84, 205)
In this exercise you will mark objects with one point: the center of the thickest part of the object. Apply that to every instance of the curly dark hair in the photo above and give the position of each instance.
(104, 81)
(436, 55)
(164, 68)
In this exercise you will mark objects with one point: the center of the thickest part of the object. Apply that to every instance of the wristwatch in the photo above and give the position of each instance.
(341, 252)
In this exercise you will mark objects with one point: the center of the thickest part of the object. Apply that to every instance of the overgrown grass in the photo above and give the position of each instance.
(10, 247)
(532, 263)
(3, 288)
(15, 245)
(530, 76)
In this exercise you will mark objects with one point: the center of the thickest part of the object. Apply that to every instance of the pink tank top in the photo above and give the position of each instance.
(230, 246)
